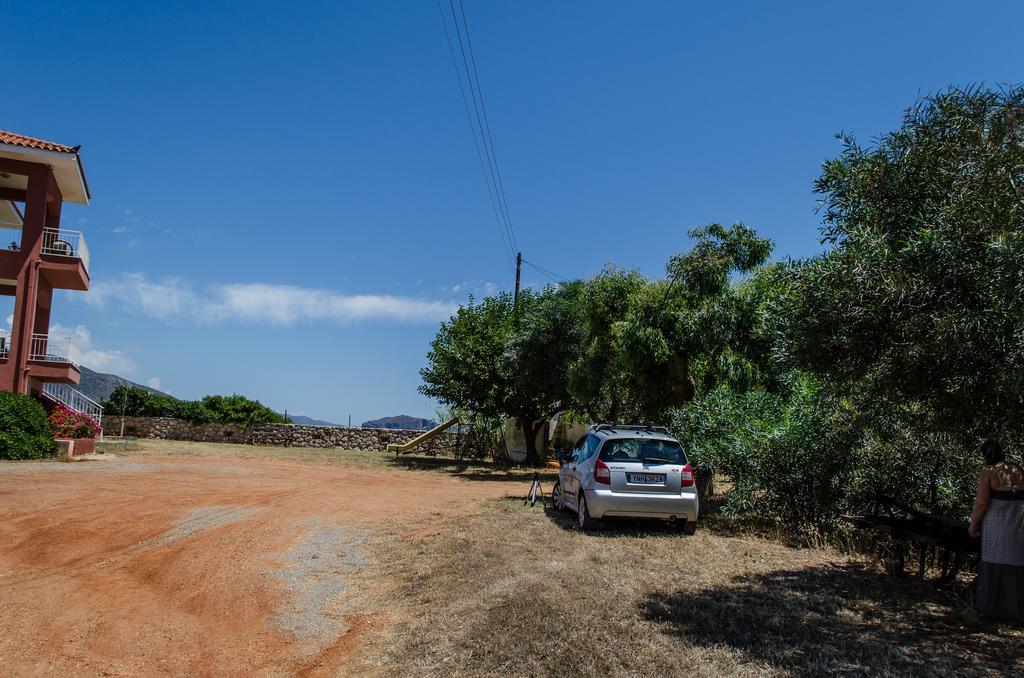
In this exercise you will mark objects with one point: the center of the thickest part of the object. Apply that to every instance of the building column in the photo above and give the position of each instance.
(37, 199)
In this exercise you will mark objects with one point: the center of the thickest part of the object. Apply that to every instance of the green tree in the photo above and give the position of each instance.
(240, 410)
(132, 401)
(692, 332)
(597, 376)
(544, 342)
(496, 361)
(919, 303)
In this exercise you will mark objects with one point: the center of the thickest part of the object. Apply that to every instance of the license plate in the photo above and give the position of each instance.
(646, 478)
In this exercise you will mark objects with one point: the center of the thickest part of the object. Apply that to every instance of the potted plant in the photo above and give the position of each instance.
(79, 428)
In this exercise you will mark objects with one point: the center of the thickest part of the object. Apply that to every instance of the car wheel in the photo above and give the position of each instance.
(690, 527)
(583, 518)
(556, 496)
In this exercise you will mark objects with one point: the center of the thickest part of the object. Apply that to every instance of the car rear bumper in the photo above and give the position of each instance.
(605, 503)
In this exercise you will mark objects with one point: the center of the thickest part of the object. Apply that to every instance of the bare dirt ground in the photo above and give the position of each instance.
(182, 558)
(196, 564)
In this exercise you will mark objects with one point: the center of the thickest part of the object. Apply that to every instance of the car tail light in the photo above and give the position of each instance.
(602, 474)
(686, 477)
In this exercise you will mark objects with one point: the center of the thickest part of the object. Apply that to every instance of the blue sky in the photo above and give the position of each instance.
(287, 199)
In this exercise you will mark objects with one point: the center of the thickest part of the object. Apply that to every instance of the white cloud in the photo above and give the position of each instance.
(164, 300)
(10, 320)
(153, 382)
(285, 305)
(90, 356)
(261, 303)
(477, 288)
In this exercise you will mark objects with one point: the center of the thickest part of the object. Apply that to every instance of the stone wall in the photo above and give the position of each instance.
(278, 435)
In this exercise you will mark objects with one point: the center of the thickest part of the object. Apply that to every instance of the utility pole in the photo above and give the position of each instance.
(519, 268)
(124, 407)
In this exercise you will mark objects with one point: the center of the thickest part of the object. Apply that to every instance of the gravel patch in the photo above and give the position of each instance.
(200, 519)
(314, 574)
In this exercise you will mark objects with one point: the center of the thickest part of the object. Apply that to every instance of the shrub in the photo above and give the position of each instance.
(790, 455)
(239, 409)
(67, 423)
(191, 410)
(25, 431)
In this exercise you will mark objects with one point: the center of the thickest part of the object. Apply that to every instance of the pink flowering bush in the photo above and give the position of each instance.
(67, 423)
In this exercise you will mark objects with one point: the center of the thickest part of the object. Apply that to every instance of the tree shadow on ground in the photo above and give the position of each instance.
(612, 527)
(840, 619)
(472, 469)
(715, 520)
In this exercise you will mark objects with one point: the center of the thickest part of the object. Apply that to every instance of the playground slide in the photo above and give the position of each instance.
(419, 440)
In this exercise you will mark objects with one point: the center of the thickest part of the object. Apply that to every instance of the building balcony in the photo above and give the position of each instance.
(54, 359)
(50, 359)
(47, 349)
(65, 259)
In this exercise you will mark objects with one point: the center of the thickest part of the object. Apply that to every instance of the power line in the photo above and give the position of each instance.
(551, 274)
(476, 94)
(487, 124)
(491, 193)
(480, 127)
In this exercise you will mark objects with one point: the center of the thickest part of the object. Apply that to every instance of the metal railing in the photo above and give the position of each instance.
(49, 349)
(75, 399)
(66, 244)
(5, 344)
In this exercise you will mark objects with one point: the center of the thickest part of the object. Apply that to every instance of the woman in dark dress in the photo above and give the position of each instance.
(998, 517)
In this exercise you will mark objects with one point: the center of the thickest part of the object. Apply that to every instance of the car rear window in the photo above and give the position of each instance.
(643, 450)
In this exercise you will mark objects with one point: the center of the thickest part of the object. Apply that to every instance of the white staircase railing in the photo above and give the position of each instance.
(75, 399)
(5, 344)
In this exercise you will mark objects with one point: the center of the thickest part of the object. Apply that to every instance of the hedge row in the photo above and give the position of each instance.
(131, 401)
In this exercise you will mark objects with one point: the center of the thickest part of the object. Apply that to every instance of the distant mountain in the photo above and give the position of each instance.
(99, 386)
(308, 421)
(401, 421)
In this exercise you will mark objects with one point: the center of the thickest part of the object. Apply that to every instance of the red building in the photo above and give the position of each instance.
(38, 256)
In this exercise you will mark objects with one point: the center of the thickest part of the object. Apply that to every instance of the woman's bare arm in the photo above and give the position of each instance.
(981, 502)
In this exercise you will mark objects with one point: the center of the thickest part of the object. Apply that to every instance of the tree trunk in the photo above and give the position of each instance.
(530, 429)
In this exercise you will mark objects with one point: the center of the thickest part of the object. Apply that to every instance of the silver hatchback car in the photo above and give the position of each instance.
(631, 471)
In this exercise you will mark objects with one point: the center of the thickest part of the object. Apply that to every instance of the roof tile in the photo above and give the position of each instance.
(13, 139)
(28, 142)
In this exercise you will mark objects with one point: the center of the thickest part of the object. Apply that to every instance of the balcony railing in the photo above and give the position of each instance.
(66, 244)
(5, 344)
(49, 349)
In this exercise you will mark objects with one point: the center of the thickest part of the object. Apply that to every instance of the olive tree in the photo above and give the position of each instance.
(651, 346)
(919, 302)
(497, 360)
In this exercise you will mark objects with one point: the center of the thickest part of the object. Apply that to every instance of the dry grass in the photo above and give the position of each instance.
(468, 469)
(513, 590)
